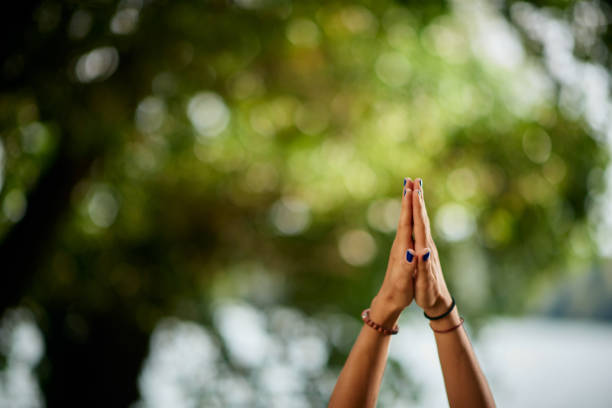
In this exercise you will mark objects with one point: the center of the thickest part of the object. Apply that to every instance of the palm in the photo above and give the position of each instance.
(400, 275)
(398, 284)
(429, 285)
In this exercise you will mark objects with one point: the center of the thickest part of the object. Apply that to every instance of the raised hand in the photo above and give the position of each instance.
(397, 290)
(430, 291)
(413, 271)
(466, 385)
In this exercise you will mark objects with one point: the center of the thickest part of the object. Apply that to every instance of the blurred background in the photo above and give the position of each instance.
(198, 198)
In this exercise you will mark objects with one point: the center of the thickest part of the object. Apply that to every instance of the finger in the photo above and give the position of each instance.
(418, 217)
(404, 228)
(429, 242)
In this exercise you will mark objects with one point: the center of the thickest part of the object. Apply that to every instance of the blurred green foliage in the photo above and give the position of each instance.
(257, 150)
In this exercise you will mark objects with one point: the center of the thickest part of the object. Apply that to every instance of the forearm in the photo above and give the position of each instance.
(465, 383)
(360, 379)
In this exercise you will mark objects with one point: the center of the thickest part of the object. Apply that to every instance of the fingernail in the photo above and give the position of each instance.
(404, 181)
(426, 256)
(404, 191)
(421, 182)
(419, 192)
(409, 256)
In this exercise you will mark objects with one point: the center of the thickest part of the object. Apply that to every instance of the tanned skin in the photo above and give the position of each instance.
(421, 280)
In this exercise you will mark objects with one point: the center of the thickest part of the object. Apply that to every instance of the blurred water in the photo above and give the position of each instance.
(529, 362)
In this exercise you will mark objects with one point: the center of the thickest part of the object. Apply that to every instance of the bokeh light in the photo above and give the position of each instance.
(208, 114)
(357, 247)
(98, 64)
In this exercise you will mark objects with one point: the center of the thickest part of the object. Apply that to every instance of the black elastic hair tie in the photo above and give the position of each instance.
(450, 309)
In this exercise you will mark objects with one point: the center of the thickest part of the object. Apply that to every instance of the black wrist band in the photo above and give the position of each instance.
(450, 309)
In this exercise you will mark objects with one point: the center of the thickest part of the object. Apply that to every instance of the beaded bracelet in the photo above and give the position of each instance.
(365, 316)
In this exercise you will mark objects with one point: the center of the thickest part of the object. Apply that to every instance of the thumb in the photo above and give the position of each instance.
(411, 260)
(422, 272)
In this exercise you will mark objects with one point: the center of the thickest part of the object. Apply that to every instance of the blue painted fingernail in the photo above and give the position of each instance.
(404, 181)
(426, 256)
(409, 256)
(419, 192)
(421, 182)
(405, 191)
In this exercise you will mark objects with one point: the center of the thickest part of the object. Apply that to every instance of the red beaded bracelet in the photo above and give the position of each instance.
(448, 330)
(365, 316)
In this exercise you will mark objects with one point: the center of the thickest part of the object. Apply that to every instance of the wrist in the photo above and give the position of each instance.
(441, 305)
(384, 311)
